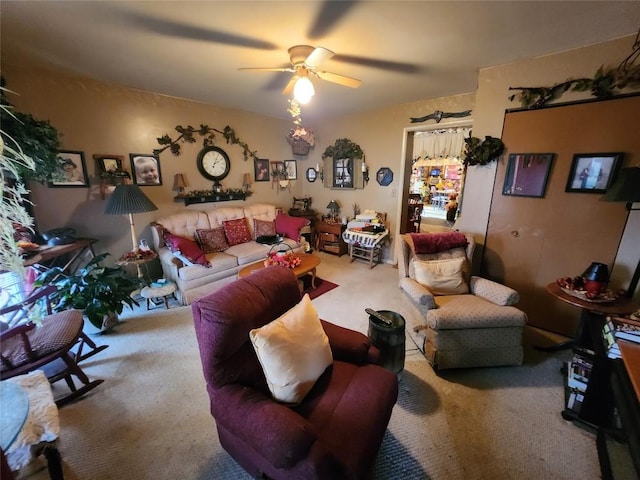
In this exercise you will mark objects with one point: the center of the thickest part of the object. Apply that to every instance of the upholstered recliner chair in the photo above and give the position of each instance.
(334, 431)
(461, 320)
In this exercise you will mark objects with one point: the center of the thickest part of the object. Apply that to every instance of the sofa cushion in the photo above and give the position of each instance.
(188, 248)
(212, 240)
(263, 228)
(249, 252)
(293, 351)
(219, 263)
(236, 231)
(290, 226)
(442, 277)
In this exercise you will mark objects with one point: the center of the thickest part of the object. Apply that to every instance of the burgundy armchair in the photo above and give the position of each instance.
(337, 430)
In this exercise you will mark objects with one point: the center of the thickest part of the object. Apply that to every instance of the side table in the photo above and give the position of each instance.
(139, 263)
(622, 306)
(163, 292)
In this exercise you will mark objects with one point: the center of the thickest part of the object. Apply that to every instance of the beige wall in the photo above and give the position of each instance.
(98, 118)
(492, 101)
(381, 134)
(104, 119)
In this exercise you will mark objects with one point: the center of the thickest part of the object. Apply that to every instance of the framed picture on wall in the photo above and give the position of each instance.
(261, 169)
(72, 170)
(146, 169)
(292, 169)
(527, 174)
(593, 172)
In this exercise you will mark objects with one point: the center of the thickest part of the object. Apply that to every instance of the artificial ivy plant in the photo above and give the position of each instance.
(187, 135)
(343, 148)
(604, 84)
(38, 140)
(478, 152)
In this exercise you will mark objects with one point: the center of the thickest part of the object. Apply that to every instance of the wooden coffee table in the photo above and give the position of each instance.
(308, 266)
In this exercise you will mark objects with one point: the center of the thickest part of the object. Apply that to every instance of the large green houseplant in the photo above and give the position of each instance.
(38, 139)
(100, 292)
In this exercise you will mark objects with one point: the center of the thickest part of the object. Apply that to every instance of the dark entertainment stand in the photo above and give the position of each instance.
(611, 405)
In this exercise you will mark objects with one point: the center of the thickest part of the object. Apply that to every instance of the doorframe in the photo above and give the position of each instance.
(406, 167)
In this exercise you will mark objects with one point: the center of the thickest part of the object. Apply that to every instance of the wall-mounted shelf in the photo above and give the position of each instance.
(218, 197)
(111, 181)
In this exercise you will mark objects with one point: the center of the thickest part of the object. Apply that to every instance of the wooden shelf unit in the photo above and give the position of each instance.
(329, 238)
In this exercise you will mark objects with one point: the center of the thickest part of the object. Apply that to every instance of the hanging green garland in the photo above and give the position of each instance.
(604, 84)
(187, 135)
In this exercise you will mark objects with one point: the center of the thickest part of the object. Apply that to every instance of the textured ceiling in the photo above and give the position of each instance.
(402, 51)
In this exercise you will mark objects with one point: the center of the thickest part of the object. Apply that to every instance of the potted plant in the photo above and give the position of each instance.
(37, 139)
(28, 149)
(343, 148)
(100, 292)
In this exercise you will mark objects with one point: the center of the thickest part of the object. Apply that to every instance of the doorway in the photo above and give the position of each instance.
(432, 167)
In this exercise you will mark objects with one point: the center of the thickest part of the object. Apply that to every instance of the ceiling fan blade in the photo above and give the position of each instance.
(318, 57)
(183, 30)
(330, 14)
(288, 90)
(392, 66)
(267, 69)
(339, 79)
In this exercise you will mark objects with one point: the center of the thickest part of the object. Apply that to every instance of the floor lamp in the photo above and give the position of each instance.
(127, 200)
(626, 188)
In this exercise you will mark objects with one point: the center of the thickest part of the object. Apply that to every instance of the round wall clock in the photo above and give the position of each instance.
(384, 176)
(213, 163)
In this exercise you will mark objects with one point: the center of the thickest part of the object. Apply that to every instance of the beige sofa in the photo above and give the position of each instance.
(193, 280)
(475, 329)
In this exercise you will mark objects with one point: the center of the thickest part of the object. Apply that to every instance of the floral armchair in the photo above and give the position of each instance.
(459, 320)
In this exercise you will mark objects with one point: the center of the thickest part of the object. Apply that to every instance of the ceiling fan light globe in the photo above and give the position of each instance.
(303, 90)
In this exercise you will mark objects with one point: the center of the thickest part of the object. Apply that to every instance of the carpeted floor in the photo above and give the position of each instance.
(150, 418)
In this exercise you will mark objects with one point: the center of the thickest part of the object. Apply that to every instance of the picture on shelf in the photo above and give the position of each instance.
(109, 164)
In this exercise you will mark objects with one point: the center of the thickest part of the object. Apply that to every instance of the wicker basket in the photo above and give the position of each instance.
(300, 147)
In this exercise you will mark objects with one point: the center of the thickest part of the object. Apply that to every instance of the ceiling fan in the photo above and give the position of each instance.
(305, 61)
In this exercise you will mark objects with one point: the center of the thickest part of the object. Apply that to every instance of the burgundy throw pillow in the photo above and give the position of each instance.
(264, 228)
(437, 242)
(212, 240)
(236, 231)
(290, 226)
(186, 247)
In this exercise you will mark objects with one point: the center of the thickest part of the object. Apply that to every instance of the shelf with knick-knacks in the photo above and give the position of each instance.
(207, 196)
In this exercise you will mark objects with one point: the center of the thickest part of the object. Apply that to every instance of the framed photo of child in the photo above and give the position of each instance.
(71, 172)
(146, 169)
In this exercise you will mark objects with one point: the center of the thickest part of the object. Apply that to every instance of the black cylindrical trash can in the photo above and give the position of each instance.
(389, 339)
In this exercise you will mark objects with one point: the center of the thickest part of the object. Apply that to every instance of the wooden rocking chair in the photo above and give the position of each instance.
(56, 346)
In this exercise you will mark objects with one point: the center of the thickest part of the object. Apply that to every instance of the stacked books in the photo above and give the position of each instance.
(578, 373)
(617, 328)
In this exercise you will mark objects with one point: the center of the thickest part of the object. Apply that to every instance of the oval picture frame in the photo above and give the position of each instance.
(311, 174)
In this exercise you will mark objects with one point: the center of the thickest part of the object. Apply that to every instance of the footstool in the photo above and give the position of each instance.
(162, 292)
